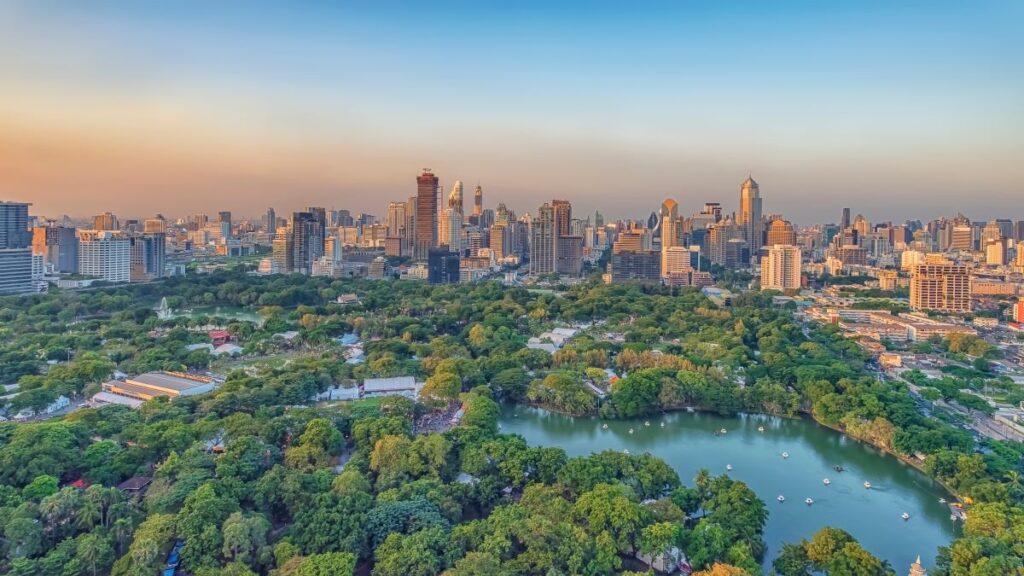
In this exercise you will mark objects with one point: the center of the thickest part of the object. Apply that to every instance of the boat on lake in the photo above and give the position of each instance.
(728, 467)
(826, 481)
(808, 501)
(781, 498)
(905, 516)
(867, 485)
(760, 428)
(785, 454)
(604, 426)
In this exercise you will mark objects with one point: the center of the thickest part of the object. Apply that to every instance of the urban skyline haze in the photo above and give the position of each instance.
(908, 111)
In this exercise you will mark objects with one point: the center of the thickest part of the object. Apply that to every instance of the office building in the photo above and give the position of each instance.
(270, 221)
(542, 241)
(669, 227)
(58, 245)
(478, 201)
(940, 285)
(396, 219)
(995, 252)
(283, 255)
(962, 238)
(15, 249)
(105, 255)
(781, 232)
(426, 215)
(780, 269)
(570, 255)
(307, 240)
(642, 267)
(749, 217)
(105, 221)
(844, 222)
(442, 266)
(148, 256)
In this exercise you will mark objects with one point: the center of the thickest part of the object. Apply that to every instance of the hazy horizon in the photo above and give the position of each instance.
(896, 111)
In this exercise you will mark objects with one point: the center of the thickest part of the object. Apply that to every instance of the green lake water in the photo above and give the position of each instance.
(687, 443)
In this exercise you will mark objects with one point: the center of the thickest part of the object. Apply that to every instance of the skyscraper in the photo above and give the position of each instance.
(15, 249)
(426, 214)
(669, 232)
(455, 198)
(478, 201)
(542, 241)
(270, 221)
(307, 241)
(749, 217)
(844, 222)
(780, 269)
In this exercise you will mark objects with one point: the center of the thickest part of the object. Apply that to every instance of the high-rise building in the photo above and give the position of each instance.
(449, 230)
(542, 241)
(940, 285)
(455, 198)
(442, 266)
(995, 252)
(781, 232)
(396, 219)
(844, 222)
(426, 214)
(156, 225)
(104, 254)
(58, 245)
(629, 266)
(307, 241)
(478, 201)
(780, 269)
(148, 254)
(105, 221)
(749, 217)
(962, 238)
(1018, 231)
(570, 255)
(270, 221)
(283, 255)
(15, 249)
(669, 231)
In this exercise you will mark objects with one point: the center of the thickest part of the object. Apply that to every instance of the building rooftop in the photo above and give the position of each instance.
(169, 380)
(388, 384)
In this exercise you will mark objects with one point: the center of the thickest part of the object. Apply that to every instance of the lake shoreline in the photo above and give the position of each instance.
(801, 415)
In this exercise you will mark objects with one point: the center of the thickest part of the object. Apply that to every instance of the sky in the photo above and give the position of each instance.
(898, 110)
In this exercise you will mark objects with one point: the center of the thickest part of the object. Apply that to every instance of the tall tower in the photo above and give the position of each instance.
(478, 201)
(669, 231)
(543, 241)
(426, 215)
(749, 217)
(844, 223)
(455, 198)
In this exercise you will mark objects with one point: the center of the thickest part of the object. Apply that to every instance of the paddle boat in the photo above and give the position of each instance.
(867, 485)
(785, 454)
(808, 501)
(728, 467)
(905, 516)
(826, 481)
(781, 498)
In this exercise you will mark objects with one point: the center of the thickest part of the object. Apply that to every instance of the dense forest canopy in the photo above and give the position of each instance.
(256, 478)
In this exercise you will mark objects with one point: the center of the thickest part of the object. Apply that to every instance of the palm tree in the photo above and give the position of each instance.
(88, 514)
(122, 530)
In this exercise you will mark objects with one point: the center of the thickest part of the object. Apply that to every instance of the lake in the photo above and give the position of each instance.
(687, 443)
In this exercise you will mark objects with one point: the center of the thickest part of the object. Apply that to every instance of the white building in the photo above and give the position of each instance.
(399, 386)
(780, 270)
(104, 254)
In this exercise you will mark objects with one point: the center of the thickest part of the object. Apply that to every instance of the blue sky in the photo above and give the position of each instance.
(910, 109)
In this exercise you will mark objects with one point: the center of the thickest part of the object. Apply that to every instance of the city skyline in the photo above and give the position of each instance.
(901, 112)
